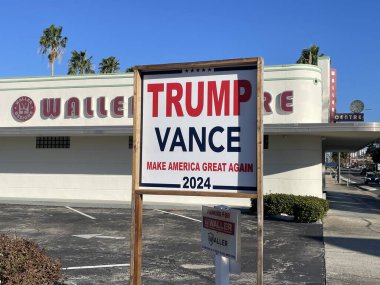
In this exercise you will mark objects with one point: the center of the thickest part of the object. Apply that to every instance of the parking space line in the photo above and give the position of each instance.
(79, 212)
(97, 266)
(178, 215)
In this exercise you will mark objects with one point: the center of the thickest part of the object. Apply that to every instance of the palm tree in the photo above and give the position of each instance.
(129, 69)
(310, 55)
(53, 44)
(109, 65)
(79, 63)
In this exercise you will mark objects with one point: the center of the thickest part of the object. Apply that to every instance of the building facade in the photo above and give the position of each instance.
(70, 137)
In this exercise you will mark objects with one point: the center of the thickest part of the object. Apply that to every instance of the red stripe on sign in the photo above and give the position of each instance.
(219, 226)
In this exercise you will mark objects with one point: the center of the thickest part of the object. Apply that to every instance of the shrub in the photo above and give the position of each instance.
(308, 210)
(325, 204)
(276, 204)
(305, 209)
(23, 262)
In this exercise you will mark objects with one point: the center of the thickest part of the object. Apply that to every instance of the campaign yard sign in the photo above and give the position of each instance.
(198, 128)
(198, 132)
(221, 232)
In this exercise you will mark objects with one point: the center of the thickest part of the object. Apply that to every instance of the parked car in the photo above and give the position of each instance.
(371, 178)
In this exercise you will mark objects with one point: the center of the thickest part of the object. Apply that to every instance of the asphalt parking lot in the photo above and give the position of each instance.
(93, 245)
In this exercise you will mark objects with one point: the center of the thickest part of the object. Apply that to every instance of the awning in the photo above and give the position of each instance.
(344, 137)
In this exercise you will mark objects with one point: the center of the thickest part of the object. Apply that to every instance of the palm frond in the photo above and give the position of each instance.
(52, 43)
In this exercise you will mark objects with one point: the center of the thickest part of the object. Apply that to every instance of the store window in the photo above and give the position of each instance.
(52, 142)
(130, 142)
(266, 141)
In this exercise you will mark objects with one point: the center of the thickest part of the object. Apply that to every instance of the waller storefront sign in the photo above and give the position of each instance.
(24, 108)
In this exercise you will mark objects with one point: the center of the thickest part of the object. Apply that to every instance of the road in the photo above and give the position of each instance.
(93, 246)
(355, 176)
(351, 235)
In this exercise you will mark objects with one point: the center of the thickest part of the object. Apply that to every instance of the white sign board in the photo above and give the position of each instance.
(198, 130)
(221, 232)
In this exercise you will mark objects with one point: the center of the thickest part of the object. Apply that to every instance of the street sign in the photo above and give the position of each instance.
(221, 232)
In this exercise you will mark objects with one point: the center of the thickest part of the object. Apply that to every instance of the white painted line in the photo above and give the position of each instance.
(178, 215)
(88, 236)
(79, 212)
(197, 266)
(96, 266)
(110, 237)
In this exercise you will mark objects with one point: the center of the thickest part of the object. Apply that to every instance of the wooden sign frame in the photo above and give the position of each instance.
(137, 193)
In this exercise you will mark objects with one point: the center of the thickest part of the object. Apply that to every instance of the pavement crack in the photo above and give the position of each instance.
(369, 226)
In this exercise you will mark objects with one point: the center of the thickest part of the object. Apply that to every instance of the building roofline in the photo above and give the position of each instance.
(65, 77)
(299, 66)
(346, 137)
(267, 68)
(326, 127)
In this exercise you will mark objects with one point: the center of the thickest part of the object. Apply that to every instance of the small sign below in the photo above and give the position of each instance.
(221, 232)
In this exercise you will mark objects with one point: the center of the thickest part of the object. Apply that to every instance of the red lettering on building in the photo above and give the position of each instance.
(51, 108)
(332, 94)
(72, 108)
(117, 106)
(88, 112)
(286, 99)
(283, 104)
(102, 112)
(267, 101)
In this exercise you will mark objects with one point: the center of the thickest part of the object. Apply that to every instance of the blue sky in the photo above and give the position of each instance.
(151, 31)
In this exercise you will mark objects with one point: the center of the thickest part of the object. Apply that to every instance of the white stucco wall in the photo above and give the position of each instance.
(99, 167)
(293, 165)
(93, 168)
(305, 82)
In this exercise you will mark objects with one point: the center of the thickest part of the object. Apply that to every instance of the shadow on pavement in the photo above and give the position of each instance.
(352, 202)
(362, 245)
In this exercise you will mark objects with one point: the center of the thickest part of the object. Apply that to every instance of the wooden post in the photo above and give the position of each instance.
(137, 249)
(260, 204)
(137, 199)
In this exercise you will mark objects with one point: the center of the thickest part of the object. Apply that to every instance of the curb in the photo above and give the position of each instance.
(370, 191)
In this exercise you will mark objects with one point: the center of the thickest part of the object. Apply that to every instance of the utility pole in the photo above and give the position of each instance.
(338, 173)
